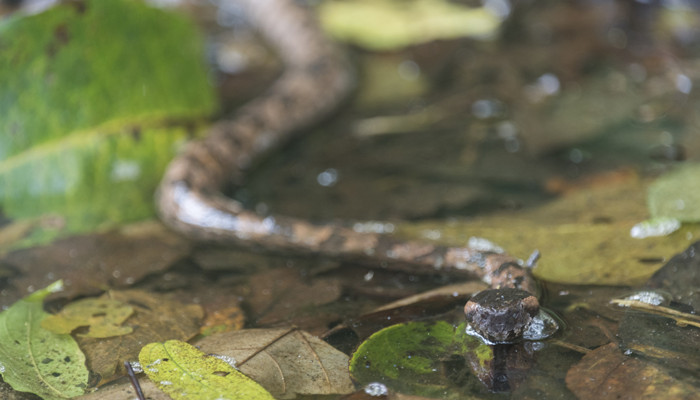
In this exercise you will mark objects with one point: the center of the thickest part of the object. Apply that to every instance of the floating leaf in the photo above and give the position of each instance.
(103, 317)
(676, 194)
(382, 25)
(286, 362)
(184, 372)
(94, 103)
(156, 317)
(35, 360)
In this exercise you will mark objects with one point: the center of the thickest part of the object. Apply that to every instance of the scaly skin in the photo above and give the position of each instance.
(317, 77)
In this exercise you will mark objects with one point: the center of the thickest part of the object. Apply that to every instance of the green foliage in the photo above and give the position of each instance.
(183, 372)
(36, 360)
(95, 101)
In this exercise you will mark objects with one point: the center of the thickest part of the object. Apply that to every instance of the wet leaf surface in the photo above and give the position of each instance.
(280, 295)
(97, 152)
(156, 317)
(286, 362)
(184, 372)
(101, 317)
(36, 360)
(607, 373)
(666, 339)
(90, 263)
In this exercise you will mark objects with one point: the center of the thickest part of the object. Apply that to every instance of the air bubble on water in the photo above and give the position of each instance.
(327, 178)
(376, 389)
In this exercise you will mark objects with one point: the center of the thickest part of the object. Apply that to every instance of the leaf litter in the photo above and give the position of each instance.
(35, 360)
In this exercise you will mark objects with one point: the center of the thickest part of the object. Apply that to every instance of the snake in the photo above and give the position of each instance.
(317, 77)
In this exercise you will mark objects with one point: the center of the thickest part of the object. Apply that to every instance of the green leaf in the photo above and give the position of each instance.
(676, 195)
(103, 317)
(407, 357)
(95, 100)
(183, 372)
(35, 360)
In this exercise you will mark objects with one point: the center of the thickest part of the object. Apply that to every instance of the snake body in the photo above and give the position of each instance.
(316, 78)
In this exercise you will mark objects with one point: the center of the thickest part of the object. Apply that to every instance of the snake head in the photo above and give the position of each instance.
(501, 315)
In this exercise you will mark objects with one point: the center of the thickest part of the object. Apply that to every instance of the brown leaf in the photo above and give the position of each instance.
(284, 361)
(606, 373)
(89, 263)
(156, 318)
(278, 295)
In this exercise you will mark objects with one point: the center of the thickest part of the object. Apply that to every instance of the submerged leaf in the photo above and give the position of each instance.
(410, 357)
(33, 359)
(103, 317)
(606, 373)
(184, 372)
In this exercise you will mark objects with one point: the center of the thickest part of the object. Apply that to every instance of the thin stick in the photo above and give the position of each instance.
(134, 381)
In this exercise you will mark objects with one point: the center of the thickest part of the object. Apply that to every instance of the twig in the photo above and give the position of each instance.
(134, 381)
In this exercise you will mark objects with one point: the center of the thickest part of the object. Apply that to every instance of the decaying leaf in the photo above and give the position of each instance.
(33, 359)
(103, 317)
(286, 362)
(282, 294)
(90, 263)
(184, 372)
(606, 373)
(156, 317)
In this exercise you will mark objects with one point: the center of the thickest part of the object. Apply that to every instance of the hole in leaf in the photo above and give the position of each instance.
(46, 360)
(220, 373)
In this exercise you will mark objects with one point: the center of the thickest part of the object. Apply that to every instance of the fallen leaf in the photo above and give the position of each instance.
(184, 372)
(90, 263)
(156, 317)
(35, 360)
(606, 373)
(103, 317)
(287, 362)
(280, 295)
